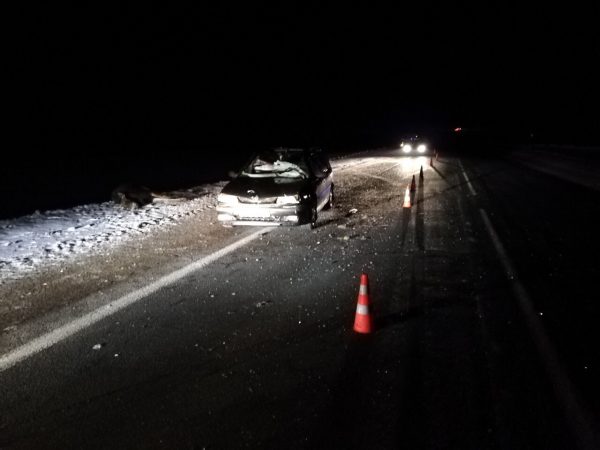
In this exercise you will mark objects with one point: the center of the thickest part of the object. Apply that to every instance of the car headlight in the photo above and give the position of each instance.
(288, 200)
(407, 148)
(421, 148)
(226, 198)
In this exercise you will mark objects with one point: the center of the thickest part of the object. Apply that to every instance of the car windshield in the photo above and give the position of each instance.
(277, 164)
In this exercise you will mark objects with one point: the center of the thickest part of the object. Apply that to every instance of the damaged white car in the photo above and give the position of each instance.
(278, 187)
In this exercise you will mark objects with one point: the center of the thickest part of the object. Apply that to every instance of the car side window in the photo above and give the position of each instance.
(319, 165)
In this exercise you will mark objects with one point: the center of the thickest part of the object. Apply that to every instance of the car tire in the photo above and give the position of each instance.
(331, 200)
(314, 216)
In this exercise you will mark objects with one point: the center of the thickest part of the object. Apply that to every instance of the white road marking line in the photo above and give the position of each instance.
(49, 339)
(473, 192)
(580, 424)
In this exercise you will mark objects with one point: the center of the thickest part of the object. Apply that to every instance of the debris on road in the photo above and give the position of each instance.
(262, 303)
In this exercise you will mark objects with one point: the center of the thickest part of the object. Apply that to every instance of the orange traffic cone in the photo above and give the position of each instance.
(413, 185)
(406, 198)
(362, 321)
(421, 173)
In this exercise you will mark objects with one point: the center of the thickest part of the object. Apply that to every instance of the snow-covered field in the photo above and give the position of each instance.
(54, 237)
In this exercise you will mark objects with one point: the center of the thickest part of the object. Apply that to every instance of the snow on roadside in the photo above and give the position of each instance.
(52, 237)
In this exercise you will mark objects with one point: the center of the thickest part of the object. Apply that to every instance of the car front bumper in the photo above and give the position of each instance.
(263, 215)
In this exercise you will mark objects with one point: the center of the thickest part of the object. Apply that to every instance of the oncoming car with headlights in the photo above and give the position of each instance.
(415, 145)
(278, 187)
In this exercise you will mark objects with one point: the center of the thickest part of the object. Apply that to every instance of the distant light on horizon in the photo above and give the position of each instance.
(458, 129)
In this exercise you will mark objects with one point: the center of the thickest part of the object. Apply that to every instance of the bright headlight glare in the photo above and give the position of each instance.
(226, 198)
(407, 148)
(421, 148)
(288, 200)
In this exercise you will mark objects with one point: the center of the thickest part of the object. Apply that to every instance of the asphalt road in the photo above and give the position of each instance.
(484, 301)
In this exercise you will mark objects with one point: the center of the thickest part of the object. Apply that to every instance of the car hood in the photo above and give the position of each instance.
(265, 187)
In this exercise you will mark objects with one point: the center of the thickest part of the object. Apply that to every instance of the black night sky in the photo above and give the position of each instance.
(168, 95)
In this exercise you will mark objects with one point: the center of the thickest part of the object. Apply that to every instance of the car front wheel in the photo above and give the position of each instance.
(313, 217)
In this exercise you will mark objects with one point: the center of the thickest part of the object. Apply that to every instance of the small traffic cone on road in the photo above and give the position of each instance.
(363, 322)
(421, 173)
(406, 198)
(413, 185)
